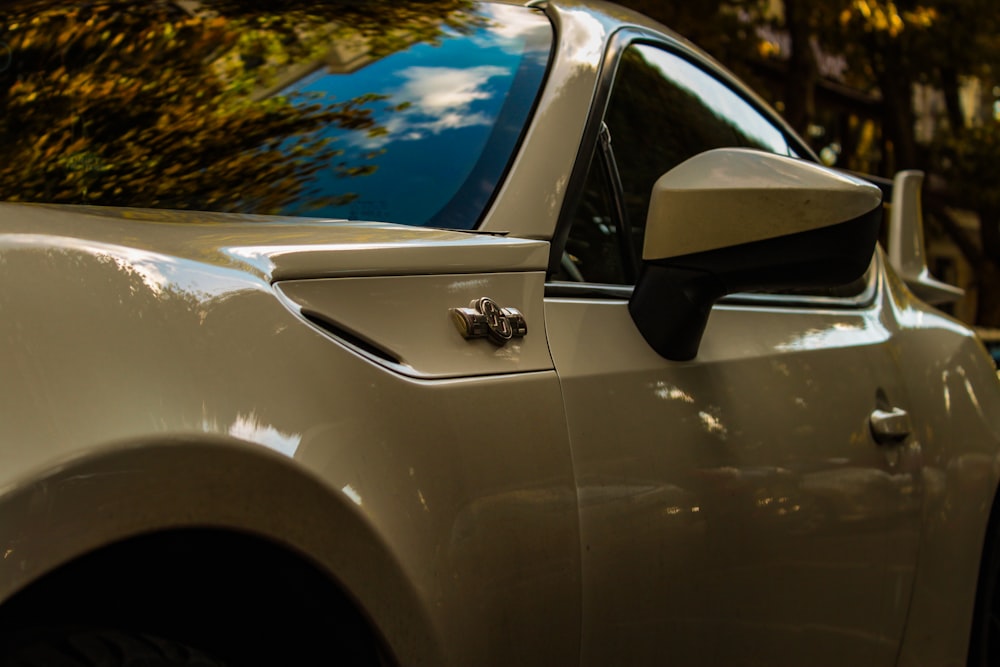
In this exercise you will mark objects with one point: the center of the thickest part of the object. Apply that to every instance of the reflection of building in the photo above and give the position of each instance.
(349, 52)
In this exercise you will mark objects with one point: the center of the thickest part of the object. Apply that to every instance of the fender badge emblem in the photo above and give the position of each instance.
(484, 318)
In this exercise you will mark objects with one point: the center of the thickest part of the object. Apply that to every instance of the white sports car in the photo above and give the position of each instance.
(451, 334)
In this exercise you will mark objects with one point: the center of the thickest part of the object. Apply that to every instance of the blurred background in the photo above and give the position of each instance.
(878, 86)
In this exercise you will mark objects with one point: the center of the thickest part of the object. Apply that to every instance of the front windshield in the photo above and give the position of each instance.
(372, 110)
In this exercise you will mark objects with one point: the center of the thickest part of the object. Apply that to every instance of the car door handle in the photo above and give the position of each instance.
(890, 426)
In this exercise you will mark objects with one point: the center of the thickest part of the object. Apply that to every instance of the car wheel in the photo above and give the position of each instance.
(984, 644)
(101, 648)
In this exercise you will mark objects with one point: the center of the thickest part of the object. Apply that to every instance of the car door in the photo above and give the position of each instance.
(737, 508)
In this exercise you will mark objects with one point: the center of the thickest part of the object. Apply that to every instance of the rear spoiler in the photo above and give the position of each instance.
(905, 242)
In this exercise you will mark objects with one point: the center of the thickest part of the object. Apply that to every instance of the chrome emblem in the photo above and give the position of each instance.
(484, 318)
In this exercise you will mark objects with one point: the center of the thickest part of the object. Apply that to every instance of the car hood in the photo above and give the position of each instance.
(272, 248)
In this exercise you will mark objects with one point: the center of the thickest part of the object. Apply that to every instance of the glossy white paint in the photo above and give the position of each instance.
(730, 196)
(271, 247)
(201, 399)
(959, 424)
(737, 505)
(596, 506)
(408, 317)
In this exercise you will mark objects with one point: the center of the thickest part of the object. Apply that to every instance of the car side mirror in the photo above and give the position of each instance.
(736, 220)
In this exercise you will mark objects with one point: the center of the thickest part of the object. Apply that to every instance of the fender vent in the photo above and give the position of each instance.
(350, 338)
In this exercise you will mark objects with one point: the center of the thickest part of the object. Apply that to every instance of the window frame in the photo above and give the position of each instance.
(591, 151)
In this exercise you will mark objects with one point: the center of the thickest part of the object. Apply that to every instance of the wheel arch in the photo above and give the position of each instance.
(243, 598)
(122, 515)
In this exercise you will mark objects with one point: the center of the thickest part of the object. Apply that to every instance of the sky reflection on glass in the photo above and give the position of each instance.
(450, 115)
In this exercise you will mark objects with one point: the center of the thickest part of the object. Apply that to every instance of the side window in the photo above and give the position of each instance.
(662, 110)
(594, 247)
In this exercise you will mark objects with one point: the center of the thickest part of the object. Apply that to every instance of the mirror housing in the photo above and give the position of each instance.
(736, 220)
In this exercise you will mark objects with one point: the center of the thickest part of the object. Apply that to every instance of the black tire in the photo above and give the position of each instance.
(101, 648)
(984, 642)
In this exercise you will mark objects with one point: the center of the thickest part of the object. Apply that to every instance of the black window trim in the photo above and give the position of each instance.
(590, 147)
(866, 297)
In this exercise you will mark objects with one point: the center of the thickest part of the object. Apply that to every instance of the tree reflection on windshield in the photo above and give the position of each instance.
(261, 107)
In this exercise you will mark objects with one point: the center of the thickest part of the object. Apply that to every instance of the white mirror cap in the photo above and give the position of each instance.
(731, 196)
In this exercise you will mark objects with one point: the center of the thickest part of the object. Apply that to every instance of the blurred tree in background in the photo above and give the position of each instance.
(879, 86)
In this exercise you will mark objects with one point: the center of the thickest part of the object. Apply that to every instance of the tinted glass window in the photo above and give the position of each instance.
(391, 111)
(663, 110)
(593, 249)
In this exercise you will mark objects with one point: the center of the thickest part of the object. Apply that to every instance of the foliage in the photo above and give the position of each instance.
(971, 159)
(158, 104)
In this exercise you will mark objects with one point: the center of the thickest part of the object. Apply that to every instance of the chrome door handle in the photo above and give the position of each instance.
(890, 426)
